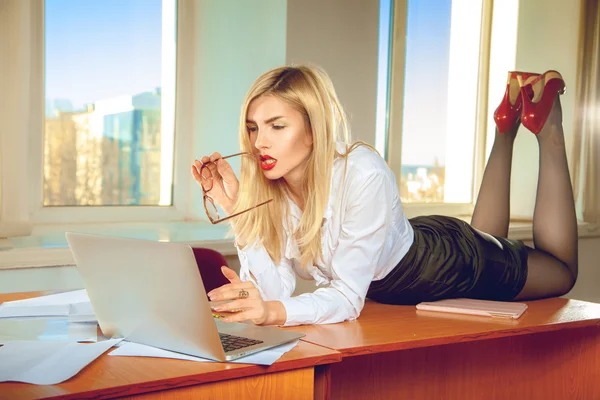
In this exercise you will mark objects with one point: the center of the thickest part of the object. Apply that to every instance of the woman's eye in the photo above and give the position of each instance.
(251, 129)
(277, 127)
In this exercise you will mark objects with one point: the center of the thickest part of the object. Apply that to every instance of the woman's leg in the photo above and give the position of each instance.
(552, 265)
(492, 209)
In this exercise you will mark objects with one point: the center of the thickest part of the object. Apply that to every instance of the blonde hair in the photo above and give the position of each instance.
(309, 91)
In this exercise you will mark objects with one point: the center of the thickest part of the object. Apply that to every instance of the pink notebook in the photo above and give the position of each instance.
(499, 309)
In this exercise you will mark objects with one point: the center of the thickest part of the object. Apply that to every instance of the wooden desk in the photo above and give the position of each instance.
(551, 352)
(296, 375)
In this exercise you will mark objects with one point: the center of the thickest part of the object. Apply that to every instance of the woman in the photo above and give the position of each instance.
(329, 211)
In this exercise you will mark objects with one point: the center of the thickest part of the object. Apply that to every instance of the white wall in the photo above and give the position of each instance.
(342, 37)
(547, 38)
(234, 45)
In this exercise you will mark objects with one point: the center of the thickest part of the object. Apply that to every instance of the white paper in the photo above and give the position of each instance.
(264, 357)
(74, 304)
(14, 311)
(66, 298)
(47, 363)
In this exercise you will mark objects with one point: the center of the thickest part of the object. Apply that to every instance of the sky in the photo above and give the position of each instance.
(426, 81)
(101, 49)
(106, 48)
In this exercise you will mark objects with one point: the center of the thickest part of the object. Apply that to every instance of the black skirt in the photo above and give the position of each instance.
(450, 259)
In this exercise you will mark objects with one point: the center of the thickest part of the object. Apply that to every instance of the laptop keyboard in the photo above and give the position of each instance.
(231, 342)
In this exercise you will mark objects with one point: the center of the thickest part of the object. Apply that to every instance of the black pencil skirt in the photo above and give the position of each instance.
(450, 259)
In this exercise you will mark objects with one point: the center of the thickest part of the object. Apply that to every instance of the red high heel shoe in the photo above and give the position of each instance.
(509, 110)
(545, 89)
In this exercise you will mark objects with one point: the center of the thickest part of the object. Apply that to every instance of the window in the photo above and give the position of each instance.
(109, 104)
(435, 91)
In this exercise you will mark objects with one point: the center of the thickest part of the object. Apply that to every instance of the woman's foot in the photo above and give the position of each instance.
(546, 88)
(552, 131)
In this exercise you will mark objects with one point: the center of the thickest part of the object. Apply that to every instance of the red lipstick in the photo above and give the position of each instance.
(267, 162)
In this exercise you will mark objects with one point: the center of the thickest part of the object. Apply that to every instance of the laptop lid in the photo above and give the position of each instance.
(152, 293)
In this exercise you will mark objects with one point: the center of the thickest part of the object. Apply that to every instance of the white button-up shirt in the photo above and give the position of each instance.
(365, 234)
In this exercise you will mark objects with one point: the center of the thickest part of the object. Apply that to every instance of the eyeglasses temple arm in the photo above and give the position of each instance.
(241, 212)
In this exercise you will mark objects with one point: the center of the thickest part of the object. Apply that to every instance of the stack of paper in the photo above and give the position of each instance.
(75, 304)
(63, 316)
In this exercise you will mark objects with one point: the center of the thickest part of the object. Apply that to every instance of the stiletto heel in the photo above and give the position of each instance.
(545, 89)
(508, 112)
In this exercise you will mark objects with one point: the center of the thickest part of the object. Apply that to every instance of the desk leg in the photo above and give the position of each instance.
(322, 382)
(563, 364)
(294, 384)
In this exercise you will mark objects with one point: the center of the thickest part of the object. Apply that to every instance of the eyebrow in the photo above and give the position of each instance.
(268, 121)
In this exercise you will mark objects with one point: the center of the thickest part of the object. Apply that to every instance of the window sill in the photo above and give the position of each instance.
(47, 246)
(523, 230)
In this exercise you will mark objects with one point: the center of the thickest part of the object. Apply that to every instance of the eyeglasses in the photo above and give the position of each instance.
(207, 185)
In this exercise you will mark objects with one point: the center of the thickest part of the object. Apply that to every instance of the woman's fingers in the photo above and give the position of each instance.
(196, 173)
(243, 316)
(233, 291)
(230, 274)
(224, 169)
(235, 305)
(215, 156)
(245, 310)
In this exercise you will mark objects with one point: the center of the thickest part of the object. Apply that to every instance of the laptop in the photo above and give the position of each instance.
(152, 293)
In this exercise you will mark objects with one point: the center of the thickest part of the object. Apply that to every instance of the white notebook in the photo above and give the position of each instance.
(499, 309)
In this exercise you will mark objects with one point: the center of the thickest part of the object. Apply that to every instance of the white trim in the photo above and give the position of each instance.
(462, 101)
(169, 152)
(394, 141)
(36, 257)
(168, 94)
(385, 34)
(396, 88)
(47, 245)
(184, 113)
(35, 175)
(18, 23)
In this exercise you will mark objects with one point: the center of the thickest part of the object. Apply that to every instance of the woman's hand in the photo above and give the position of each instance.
(223, 185)
(244, 302)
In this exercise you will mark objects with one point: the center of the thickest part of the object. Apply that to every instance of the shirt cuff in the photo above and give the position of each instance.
(298, 311)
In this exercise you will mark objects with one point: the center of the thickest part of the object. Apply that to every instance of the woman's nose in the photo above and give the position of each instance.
(261, 141)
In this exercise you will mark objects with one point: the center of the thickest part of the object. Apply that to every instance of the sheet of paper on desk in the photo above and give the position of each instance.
(265, 357)
(47, 363)
(74, 304)
(71, 297)
(13, 311)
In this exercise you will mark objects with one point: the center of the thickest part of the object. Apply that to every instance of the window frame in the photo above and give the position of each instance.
(396, 107)
(180, 209)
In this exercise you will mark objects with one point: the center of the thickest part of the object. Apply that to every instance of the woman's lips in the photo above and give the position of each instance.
(267, 163)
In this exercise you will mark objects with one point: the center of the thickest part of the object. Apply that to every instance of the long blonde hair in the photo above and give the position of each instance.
(308, 90)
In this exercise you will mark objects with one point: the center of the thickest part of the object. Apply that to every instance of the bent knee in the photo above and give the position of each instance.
(570, 279)
(547, 276)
